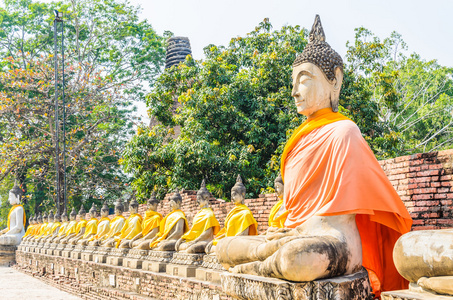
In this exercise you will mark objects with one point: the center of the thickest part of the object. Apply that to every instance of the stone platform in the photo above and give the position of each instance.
(414, 292)
(7, 255)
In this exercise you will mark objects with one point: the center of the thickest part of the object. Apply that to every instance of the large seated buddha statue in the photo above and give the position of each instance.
(172, 227)
(70, 230)
(204, 227)
(12, 235)
(132, 228)
(116, 225)
(150, 226)
(102, 230)
(60, 233)
(91, 226)
(426, 258)
(343, 213)
(239, 221)
(54, 227)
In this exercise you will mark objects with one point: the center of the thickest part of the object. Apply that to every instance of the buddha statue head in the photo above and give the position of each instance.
(133, 206)
(152, 202)
(57, 217)
(317, 74)
(64, 215)
(50, 217)
(39, 219)
(279, 186)
(44, 217)
(15, 194)
(119, 207)
(104, 210)
(93, 212)
(203, 195)
(73, 214)
(175, 200)
(238, 191)
(82, 213)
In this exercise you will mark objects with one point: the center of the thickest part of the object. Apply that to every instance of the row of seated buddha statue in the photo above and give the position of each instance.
(154, 232)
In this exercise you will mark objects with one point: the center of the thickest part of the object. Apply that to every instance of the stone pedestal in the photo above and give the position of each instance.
(100, 255)
(7, 255)
(67, 251)
(414, 292)
(154, 266)
(209, 275)
(181, 270)
(160, 256)
(210, 261)
(44, 248)
(134, 258)
(59, 249)
(87, 253)
(77, 252)
(51, 248)
(351, 287)
(116, 256)
(190, 259)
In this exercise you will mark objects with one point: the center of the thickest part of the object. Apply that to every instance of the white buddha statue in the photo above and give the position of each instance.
(13, 234)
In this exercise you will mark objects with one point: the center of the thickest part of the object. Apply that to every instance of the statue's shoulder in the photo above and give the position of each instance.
(345, 129)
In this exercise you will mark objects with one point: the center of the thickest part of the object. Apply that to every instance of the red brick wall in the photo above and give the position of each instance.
(423, 181)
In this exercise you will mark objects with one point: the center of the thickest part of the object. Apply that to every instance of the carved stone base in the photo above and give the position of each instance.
(208, 275)
(116, 256)
(160, 256)
(7, 255)
(210, 261)
(51, 248)
(415, 292)
(135, 258)
(182, 258)
(77, 252)
(181, 270)
(350, 287)
(59, 249)
(87, 253)
(67, 251)
(154, 266)
(100, 255)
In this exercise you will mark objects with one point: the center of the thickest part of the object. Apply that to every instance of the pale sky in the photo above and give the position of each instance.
(426, 26)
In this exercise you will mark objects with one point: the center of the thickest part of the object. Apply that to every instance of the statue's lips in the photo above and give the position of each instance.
(298, 101)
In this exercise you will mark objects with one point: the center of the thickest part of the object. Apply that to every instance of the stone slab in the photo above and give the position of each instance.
(181, 270)
(132, 263)
(7, 255)
(411, 295)
(208, 275)
(114, 261)
(350, 287)
(154, 266)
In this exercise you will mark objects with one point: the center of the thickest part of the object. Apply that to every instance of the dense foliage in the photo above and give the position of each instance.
(233, 112)
(109, 56)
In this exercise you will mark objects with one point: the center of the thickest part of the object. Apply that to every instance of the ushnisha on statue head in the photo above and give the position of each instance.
(203, 195)
(317, 74)
(93, 212)
(238, 191)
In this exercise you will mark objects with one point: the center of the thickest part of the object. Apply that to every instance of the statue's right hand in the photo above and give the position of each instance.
(278, 233)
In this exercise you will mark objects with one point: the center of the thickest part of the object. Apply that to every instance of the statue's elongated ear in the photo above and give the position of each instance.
(338, 78)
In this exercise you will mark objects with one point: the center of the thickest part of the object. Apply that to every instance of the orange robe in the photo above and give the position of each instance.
(330, 170)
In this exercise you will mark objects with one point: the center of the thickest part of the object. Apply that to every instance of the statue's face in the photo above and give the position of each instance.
(72, 217)
(118, 211)
(13, 199)
(311, 89)
(133, 209)
(104, 213)
(279, 188)
(152, 206)
(174, 204)
(237, 197)
(65, 218)
(202, 201)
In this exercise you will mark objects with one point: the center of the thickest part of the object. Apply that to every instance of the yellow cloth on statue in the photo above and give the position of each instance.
(132, 227)
(81, 224)
(62, 229)
(322, 117)
(11, 211)
(54, 227)
(71, 228)
(116, 225)
(151, 221)
(278, 222)
(36, 230)
(167, 224)
(91, 228)
(202, 221)
(103, 228)
(48, 229)
(42, 230)
(238, 219)
(29, 230)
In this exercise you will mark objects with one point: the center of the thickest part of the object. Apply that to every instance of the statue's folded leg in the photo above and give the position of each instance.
(142, 245)
(166, 246)
(302, 259)
(440, 284)
(197, 247)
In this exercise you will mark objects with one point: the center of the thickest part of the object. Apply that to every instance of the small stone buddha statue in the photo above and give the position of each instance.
(48, 231)
(116, 225)
(12, 235)
(55, 227)
(426, 258)
(338, 198)
(30, 228)
(278, 214)
(103, 227)
(43, 229)
(172, 227)
(239, 221)
(71, 228)
(132, 228)
(150, 226)
(204, 227)
(61, 232)
(36, 229)
(80, 228)
(90, 228)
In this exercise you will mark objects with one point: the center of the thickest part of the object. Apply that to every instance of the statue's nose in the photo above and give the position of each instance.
(294, 92)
